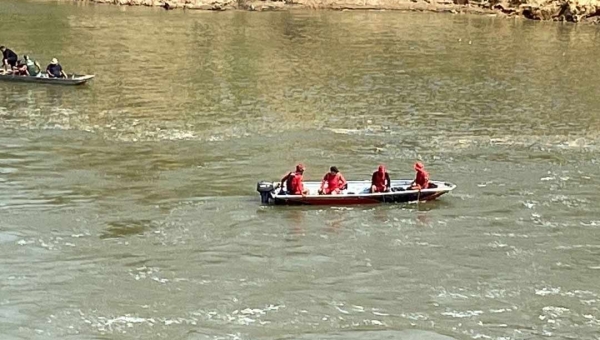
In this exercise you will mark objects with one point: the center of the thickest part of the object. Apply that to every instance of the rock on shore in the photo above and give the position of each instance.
(558, 10)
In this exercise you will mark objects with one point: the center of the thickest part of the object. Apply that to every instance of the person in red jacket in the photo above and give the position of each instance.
(421, 179)
(293, 181)
(380, 181)
(333, 182)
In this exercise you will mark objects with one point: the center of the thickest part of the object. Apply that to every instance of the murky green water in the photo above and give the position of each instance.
(128, 211)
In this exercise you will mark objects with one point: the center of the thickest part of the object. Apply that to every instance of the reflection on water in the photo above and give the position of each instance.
(127, 206)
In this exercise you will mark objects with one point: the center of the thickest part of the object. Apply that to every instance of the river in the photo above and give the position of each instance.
(128, 207)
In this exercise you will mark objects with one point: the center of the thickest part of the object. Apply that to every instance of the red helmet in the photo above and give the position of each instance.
(381, 168)
(419, 166)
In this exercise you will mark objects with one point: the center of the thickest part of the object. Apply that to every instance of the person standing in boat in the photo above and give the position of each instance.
(380, 181)
(30, 67)
(9, 58)
(54, 70)
(293, 181)
(333, 182)
(421, 179)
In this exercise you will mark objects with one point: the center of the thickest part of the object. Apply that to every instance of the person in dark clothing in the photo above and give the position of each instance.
(380, 181)
(9, 58)
(54, 70)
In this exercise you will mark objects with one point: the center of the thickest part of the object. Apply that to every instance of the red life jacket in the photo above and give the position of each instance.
(422, 179)
(294, 183)
(378, 179)
(336, 181)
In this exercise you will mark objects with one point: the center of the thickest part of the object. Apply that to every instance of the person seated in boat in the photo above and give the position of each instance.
(54, 70)
(29, 67)
(20, 69)
(333, 182)
(293, 181)
(9, 58)
(421, 179)
(380, 181)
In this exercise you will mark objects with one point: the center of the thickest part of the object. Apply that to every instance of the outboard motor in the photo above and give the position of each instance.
(265, 189)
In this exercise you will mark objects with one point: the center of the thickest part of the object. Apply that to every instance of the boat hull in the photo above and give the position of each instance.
(358, 193)
(72, 80)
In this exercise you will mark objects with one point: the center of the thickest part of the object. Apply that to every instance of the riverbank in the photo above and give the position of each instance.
(557, 10)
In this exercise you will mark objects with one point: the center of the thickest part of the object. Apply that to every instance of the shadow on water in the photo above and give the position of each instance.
(303, 220)
(126, 228)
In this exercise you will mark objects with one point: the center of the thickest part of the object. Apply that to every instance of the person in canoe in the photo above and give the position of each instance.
(380, 181)
(9, 58)
(421, 178)
(333, 182)
(54, 70)
(293, 181)
(29, 67)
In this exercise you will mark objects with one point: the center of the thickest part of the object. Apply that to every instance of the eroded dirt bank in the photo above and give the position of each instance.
(558, 10)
